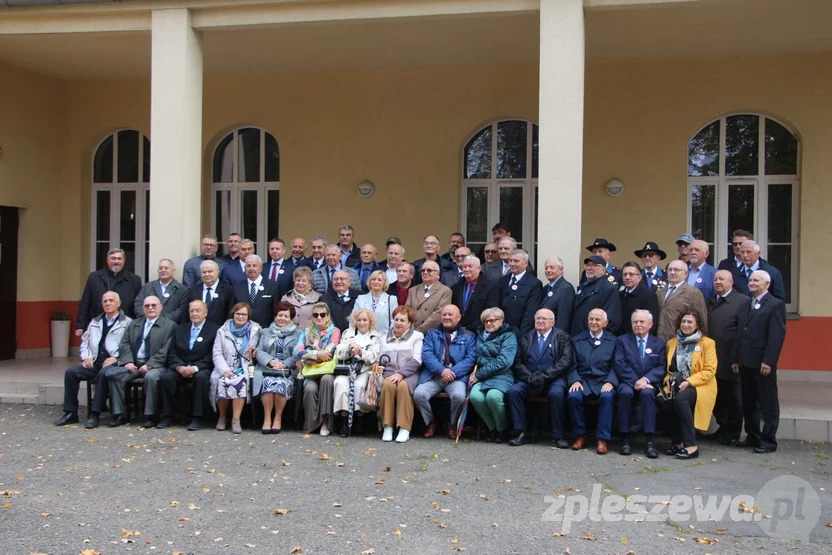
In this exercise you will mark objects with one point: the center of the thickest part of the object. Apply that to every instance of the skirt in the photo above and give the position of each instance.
(342, 390)
(279, 386)
(234, 387)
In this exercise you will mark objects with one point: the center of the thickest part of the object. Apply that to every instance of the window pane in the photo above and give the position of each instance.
(511, 210)
(272, 214)
(780, 256)
(703, 152)
(511, 150)
(535, 150)
(129, 256)
(248, 155)
(101, 250)
(103, 165)
(740, 208)
(146, 161)
(224, 161)
(102, 215)
(780, 213)
(128, 156)
(272, 163)
(478, 155)
(222, 218)
(781, 150)
(742, 148)
(477, 215)
(703, 212)
(127, 221)
(248, 214)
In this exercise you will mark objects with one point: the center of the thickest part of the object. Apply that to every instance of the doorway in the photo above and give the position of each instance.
(8, 281)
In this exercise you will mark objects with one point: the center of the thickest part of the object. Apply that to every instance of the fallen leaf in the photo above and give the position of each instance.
(444, 491)
(7, 505)
(708, 541)
(483, 497)
(495, 525)
(192, 507)
(559, 534)
(828, 524)
(624, 540)
(174, 503)
(284, 463)
(44, 515)
(337, 505)
(304, 436)
(297, 548)
(250, 545)
(386, 469)
(590, 537)
(721, 529)
(457, 548)
(323, 457)
(397, 532)
(206, 490)
(281, 512)
(90, 552)
(368, 551)
(380, 481)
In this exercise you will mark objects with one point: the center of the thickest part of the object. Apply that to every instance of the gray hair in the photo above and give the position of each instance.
(321, 239)
(346, 227)
(118, 297)
(557, 260)
(521, 253)
(256, 257)
(763, 274)
(210, 236)
(116, 251)
(172, 265)
(645, 313)
(209, 263)
(513, 242)
(473, 258)
(302, 271)
(752, 243)
(494, 312)
(601, 310)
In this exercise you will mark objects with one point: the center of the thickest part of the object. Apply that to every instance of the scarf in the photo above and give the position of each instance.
(318, 340)
(276, 339)
(300, 297)
(684, 351)
(238, 333)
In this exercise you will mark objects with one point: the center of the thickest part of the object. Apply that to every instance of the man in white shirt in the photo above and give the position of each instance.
(395, 255)
(318, 247)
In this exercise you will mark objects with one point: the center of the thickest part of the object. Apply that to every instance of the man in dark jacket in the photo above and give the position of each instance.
(217, 295)
(543, 359)
(751, 262)
(558, 295)
(473, 294)
(635, 296)
(519, 293)
(113, 278)
(259, 292)
(339, 300)
(597, 291)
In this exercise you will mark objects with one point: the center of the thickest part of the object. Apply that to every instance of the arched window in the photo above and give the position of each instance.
(499, 183)
(743, 173)
(245, 190)
(121, 200)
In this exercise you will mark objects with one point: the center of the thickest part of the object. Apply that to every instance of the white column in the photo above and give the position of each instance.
(561, 133)
(175, 138)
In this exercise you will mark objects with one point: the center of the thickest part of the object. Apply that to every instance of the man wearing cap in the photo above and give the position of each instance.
(683, 244)
(734, 261)
(654, 278)
(677, 299)
(395, 255)
(601, 247)
(700, 273)
(634, 295)
(598, 291)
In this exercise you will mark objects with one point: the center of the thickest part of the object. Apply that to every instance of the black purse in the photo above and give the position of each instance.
(673, 384)
(351, 366)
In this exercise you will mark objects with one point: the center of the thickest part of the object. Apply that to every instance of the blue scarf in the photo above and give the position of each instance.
(244, 333)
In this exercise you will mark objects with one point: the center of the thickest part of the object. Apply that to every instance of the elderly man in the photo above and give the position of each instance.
(189, 361)
(683, 245)
(234, 271)
(113, 278)
(490, 253)
(557, 295)
(724, 312)
(762, 331)
(298, 257)
(597, 291)
(603, 248)
(519, 293)
(277, 269)
(593, 376)
(473, 293)
(367, 266)
(734, 261)
(678, 299)
(428, 299)
(449, 352)
(654, 278)
(700, 273)
(495, 270)
(168, 290)
(430, 245)
(400, 288)
(640, 366)
(191, 273)
(216, 295)
(142, 353)
(339, 300)
(349, 253)
(322, 277)
(395, 256)
(318, 246)
(635, 296)
(457, 240)
(260, 293)
(751, 262)
(452, 276)
(543, 361)
(99, 349)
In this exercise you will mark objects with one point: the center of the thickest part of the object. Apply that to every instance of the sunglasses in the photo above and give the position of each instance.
(427, 270)
(737, 244)
(320, 314)
(489, 251)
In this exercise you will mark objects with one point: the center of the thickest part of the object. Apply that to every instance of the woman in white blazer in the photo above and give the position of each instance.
(378, 301)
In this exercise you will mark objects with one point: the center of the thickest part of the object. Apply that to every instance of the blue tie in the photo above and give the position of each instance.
(540, 345)
(641, 348)
(194, 334)
(747, 272)
(467, 296)
(365, 273)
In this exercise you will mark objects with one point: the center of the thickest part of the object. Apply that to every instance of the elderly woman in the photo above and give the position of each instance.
(401, 354)
(692, 358)
(496, 349)
(363, 341)
(378, 300)
(276, 360)
(232, 353)
(302, 297)
(316, 345)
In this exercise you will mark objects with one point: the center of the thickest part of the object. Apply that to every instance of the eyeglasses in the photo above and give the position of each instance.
(428, 270)
(629, 274)
(492, 320)
(490, 251)
(543, 318)
(319, 314)
(430, 243)
(151, 305)
(241, 314)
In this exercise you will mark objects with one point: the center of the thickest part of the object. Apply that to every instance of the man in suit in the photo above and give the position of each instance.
(168, 290)
(404, 281)
(490, 253)
(762, 331)
(277, 269)
(519, 293)
(395, 256)
(734, 262)
(298, 257)
(593, 376)
(232, 251)
(495, 270)
(677, 299)
(598, 291)
(473, 293)
(603, 248)
(751, 262)
(339, 300)
(428, 299)
(640, 365)
(700, 273)
(367, 266)
(635, 296)
(189, 361)
(112, 278)
(317, 259)
(216, 295)
(724, 311)
(99, 349)
(142, 353)
(654, 278)
(260, 293)
(430, 245)
(543, 360)
(349, 254)
(322, 277)
(234, 271)
(454, 275)
(558, 295)
(191, 273)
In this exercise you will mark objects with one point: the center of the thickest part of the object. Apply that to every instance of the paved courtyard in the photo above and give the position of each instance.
(130, 490)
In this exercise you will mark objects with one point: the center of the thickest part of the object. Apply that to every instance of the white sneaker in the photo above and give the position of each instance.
(388, 434)
(324, 430)
(403, 436)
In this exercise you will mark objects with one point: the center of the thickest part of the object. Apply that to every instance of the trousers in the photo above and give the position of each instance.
(606, 404)
(646, 398)
(491, 407)
(456, 390)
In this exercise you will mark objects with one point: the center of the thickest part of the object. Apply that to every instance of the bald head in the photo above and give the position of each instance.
(723, 282)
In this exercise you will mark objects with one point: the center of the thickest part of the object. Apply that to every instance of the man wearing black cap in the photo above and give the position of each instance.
(598, 291)
(601, 247)
(653, 277)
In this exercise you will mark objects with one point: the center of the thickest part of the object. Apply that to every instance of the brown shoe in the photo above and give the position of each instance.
(602, 447)
(235, 426)
(579, 443)
(431, 431)
(452, 432)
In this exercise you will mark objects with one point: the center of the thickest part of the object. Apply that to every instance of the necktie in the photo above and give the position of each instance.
(447, 360)
(252, 292)
(343, 298)
(670, 291)
(649, 275)
(163, 287)
(331, 272)
(140, 354)
(194, 334)
(467, 296)
(427, 289)
(505, 268)
(539, 345)
(365, 273)
(273, 275)
(719, 300)
(208, 297)
(513, 281)
(641, 347)
(747, 272)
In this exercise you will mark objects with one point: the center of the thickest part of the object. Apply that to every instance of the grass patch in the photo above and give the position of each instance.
(653, 470)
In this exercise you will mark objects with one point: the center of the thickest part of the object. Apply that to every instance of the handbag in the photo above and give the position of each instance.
(370, 397)
(673, 383)
(319, 368)
(350, 366)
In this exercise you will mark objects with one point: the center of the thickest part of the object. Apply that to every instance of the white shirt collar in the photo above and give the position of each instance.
(256, 282)
(545, 335)
(519, 276)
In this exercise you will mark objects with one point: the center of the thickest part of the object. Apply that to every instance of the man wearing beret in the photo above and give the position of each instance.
(653, 277)
(598, 291)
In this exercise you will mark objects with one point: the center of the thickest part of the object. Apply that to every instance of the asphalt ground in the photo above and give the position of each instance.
(130, 490)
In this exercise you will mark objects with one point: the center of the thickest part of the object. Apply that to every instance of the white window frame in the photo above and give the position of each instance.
(115, 188)
(761, 183)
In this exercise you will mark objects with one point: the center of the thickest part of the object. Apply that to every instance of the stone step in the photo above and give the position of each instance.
(20, 398)
(17, 386)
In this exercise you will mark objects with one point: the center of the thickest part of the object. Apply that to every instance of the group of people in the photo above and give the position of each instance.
(361, 335)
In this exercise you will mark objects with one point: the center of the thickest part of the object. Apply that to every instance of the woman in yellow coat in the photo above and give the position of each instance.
(693, 357)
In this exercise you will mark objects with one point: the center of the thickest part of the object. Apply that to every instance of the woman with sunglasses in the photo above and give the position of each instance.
(302, 297)
(317, 344)
(360, 340)
(229, 380)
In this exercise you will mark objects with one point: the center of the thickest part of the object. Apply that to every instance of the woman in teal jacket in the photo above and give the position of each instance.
(496, 349)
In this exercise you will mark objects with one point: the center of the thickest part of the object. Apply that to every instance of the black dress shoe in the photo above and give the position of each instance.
(92, 423)
(149, 423)
(165, 422)
(760, 449)
(118, 420)
(650, 451)
(67, 418)
(196, 424)
(275, 430)
(561, 443)
(625, 449)
(672, 451)
(684, 455)
(522, 439)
